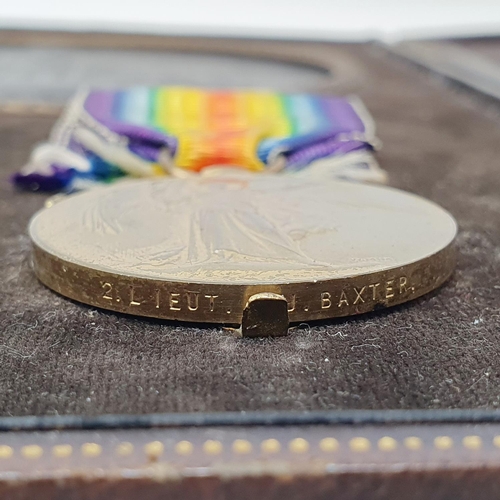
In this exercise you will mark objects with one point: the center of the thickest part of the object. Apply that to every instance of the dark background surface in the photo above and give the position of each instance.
(51, 74)
(441, 351)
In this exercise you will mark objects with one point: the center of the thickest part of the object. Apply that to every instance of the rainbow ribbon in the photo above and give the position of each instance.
(104, 135)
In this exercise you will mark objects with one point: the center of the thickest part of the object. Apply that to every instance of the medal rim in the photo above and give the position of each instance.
(224, 303)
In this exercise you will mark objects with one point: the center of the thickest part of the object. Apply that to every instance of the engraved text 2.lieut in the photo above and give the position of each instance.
(172, 300)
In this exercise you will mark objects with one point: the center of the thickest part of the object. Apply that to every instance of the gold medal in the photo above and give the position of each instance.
(258, 251)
